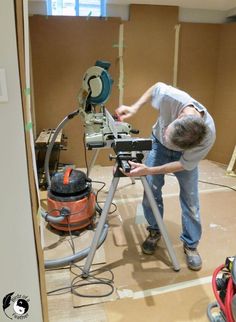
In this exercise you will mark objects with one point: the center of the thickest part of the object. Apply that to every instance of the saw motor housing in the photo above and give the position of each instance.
(100, 127)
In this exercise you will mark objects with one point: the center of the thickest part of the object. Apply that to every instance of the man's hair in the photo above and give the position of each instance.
(188, 132)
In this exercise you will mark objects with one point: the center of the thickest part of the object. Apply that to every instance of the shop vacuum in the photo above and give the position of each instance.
(70, 195)
(71, 205)
(71, 208)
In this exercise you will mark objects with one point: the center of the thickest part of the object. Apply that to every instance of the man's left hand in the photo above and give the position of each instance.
(137, 170)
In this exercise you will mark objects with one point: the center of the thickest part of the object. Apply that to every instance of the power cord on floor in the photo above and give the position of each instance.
(217, 184)
(79, 281)
(211, 183)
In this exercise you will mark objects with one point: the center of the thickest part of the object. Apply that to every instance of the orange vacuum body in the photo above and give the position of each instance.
(71, 194)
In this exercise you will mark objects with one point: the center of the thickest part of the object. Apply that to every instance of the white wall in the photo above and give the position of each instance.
(201, 16)
(37, 7)
(117, 10)
(18, 269)
(122, 11)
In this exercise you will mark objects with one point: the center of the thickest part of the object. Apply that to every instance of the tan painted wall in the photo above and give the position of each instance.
(225, 96)
(207, 70)
(148, 56)
(198, 57)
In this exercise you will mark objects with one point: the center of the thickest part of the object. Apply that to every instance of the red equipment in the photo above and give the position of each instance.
(71, 195)
(224, 288)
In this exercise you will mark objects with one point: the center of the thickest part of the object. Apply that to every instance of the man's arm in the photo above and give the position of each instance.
(125, 111)
(140, 169)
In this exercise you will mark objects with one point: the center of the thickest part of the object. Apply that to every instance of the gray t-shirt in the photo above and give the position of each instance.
(170, 102)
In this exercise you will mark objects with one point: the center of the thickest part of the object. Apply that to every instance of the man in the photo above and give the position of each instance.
(182, 136)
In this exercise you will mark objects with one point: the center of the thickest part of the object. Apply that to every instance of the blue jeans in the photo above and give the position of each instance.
(189, 201)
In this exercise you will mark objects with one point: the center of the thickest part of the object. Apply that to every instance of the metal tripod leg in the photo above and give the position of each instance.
(103, 217)
(160, 223)
(100, 226)
(93, 160)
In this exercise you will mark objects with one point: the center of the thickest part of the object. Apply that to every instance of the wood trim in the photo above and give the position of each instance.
(19, 10)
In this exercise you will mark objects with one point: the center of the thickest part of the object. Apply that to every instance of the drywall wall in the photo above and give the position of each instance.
(19, 270)
(149, 38)
(225, 96)
(197, 68)
(201, 15)
(207, 70)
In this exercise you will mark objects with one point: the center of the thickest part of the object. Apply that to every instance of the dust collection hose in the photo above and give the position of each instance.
(83, 253)
(51, 144)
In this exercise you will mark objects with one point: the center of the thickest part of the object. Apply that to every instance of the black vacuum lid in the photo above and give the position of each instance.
(69, 182)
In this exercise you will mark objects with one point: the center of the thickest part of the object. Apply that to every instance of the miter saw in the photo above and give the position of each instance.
(100, 127)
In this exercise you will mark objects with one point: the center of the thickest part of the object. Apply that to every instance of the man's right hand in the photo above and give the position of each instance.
(125, 111)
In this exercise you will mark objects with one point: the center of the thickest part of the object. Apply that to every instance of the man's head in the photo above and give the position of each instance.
(186, 132)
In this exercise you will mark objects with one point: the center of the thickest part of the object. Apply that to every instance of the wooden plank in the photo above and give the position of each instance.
(230, 168)
(45, 137)
(19, 10)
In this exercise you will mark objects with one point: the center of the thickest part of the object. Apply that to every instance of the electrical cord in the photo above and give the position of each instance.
(93, 181)
(85, 155)
(70, 214)
(211, 183)
(78, 281)
(217, 184)
(78, 284)
(99, 202)
(72, 244)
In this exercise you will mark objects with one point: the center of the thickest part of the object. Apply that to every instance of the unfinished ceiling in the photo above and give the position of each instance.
(197, 4)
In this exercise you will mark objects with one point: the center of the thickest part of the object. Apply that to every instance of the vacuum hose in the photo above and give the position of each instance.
(51, 144)
(77, 256)
(51, 219)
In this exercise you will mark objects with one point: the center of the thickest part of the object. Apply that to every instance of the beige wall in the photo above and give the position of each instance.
(149, 39)
(225, 96)
(207, 70)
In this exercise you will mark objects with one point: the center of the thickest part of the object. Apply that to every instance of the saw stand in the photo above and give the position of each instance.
(122, 162)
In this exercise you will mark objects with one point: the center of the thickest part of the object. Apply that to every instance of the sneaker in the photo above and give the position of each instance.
(150, 244)
(193, 258)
